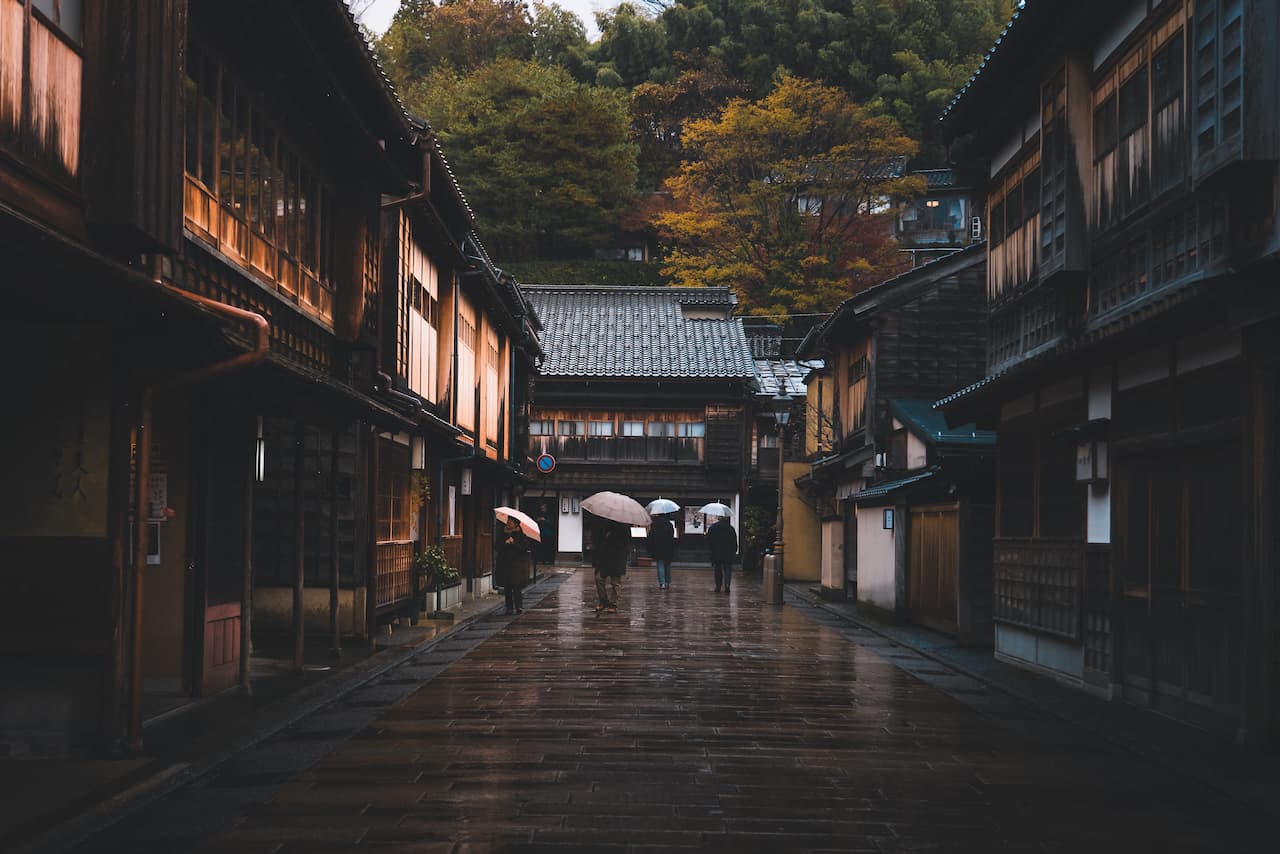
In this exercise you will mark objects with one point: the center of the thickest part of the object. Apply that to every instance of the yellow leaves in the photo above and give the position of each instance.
(775, 198)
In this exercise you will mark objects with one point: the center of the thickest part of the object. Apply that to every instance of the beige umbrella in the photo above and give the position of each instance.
(530, 527)
(618, 507)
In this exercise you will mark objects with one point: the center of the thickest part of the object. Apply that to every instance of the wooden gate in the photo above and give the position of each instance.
(933, 560)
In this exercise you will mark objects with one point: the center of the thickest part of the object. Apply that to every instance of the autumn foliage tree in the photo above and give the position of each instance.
(781, 199)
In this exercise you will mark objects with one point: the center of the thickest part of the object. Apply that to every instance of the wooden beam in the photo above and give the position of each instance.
(334, 564)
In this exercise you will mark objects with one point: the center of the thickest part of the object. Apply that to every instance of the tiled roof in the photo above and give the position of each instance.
(1004, 34)
(880, 490)
(921, 418)
(788, 373)
(624, 331)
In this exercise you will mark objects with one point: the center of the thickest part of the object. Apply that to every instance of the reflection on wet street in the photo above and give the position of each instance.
(692, 719)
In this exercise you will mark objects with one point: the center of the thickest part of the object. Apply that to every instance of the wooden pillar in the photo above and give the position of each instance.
(299, 545)
(142, 475)
(371, 574)
(246, 590)
(334, 563)
(117, 637)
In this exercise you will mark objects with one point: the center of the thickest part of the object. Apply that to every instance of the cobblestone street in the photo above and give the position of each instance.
(687, 720)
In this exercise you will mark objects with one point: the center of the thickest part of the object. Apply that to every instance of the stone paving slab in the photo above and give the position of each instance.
(695, 721)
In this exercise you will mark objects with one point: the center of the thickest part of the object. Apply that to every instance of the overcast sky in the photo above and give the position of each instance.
(378, 16)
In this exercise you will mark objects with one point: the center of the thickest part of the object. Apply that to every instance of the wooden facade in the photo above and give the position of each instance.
(1131, 366)
(906, 338)
(665, 418)
(192, 197)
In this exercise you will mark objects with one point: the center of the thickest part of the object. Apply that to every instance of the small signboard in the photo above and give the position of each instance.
(546, 464)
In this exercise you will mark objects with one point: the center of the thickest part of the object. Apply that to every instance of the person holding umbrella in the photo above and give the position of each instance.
(612, 515)
(722, 540)
(513, 567)
(662, 539)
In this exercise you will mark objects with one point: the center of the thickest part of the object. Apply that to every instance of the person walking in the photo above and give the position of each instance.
(662, 548)
(513, 570)
(722, 540)
(611, 543)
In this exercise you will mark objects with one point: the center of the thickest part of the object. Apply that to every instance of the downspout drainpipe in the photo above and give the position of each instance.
(262, 347)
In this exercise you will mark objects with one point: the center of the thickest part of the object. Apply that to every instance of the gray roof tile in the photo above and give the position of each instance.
(625, 331)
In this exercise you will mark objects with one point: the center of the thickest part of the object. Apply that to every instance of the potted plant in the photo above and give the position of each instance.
(429, 565)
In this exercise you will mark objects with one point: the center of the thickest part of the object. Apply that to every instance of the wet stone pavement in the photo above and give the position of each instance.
(688, 720)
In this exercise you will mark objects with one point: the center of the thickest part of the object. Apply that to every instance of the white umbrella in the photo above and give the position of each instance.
(618, 507)
(715, 508)
(530, 527)
(659, 506)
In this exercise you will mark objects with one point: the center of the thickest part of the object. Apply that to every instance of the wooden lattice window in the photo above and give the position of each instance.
(1055, 167)
(41, 71)
(250, 194)
(1219, 72)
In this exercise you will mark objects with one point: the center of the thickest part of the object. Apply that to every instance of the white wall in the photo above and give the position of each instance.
(570, 526)
(833, 554)
(1098, 517)
(917, 454)
(875, 559)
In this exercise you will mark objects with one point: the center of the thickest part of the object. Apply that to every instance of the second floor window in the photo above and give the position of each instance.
(661, 446)
(631, 440)
(41, 72)
(691, 435)
(572, 443)
(600, 440)
(542, 437)
(281, 214)
(857, 396)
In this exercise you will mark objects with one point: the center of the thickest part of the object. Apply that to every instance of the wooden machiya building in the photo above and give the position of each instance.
(905, 508)
(458, 346)
(192, 207)
(1134, 358)
(644, 391)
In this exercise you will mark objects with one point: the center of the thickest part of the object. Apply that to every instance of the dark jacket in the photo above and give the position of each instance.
(722, 540)
(610, 548)
(513, 565)
(662, 539)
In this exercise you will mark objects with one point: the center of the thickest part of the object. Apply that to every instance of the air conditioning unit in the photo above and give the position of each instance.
(882, 459)
(975, 229)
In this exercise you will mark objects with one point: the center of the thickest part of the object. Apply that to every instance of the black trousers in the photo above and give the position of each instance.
(515, 596)
(724, 573)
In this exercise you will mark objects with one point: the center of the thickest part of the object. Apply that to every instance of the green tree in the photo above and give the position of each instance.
(633, 45)
(544, 160)
(560, 38)
(464, 34)
(779, 199)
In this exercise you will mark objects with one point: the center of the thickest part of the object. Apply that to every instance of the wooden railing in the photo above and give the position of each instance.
(234, 238)
(1038, 584)
(393, 581)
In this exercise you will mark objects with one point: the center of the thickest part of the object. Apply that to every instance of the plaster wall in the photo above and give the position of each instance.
(876, 559)
(832, 535)
(570, 536)
(802, 554)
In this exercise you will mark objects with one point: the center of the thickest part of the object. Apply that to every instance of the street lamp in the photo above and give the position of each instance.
(781, 417)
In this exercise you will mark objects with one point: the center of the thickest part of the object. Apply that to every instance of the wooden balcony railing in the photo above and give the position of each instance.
(393, 579)
(1038, 583)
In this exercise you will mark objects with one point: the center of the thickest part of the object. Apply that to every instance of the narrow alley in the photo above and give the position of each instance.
(690, 720)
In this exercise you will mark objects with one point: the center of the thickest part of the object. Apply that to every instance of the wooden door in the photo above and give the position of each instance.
(1177, 543)
(229, 454)
(933, 560)
(850, 557)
